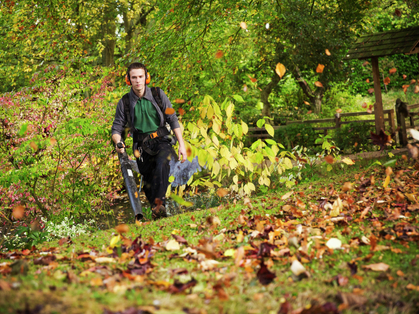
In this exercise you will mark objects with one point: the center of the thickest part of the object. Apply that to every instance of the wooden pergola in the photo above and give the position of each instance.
(379, 45)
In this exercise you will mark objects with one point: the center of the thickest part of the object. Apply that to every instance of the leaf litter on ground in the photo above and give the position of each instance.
(343, 241)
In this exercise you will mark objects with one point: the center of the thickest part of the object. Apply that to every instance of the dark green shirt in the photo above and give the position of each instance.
(146, 119)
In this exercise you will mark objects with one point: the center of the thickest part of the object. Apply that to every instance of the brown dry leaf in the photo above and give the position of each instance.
(371, 90)
(412, 287)
(18, 211)
(4, 285)
(387, 80)
(310, 112)
(404, 76)
(413, 81)
(222, 192)
(181, 111)
(377, 267)
(280, 70)
(137, 153)
(400, 273)
(397, 13)
(239, 254)
(365, 63)
(389, 171)
(287, 195)
(347, 186)
(328, 52)
(320, 68)
(243, 25)
(405, 87)
(338, 110)
(123, 228)
(416, 90)
(318, 84)
(307, 103)
(179, 101)
(242, 219)
(169, 111)
(96, 281)
(367, 80)
(392, 71)
(364, 105)
(329, 159)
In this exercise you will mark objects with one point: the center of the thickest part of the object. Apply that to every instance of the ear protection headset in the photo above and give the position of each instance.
(147, 80)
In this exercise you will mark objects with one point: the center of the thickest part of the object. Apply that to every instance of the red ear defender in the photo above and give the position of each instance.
(127, 80)
(148, 79)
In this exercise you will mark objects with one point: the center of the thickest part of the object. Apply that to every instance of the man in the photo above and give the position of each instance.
(147, 118)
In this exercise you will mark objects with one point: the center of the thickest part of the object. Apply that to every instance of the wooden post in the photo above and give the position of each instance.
(378, 106)
(401, 122)
(391, 121)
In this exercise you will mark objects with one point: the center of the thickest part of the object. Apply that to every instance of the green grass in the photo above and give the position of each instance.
(67, 285)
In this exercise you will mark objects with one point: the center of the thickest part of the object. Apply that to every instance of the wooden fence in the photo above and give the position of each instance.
(338, 121)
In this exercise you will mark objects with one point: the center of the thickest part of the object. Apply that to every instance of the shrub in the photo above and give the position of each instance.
(354, 137)
(293, 135)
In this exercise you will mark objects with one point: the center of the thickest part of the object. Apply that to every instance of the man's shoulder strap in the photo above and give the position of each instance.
(156, 94)
(125, 101)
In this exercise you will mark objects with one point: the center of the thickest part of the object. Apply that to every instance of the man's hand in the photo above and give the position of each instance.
(182, 152)
(120, 147)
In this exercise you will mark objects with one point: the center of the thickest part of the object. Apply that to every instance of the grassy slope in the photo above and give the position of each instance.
(71, 285)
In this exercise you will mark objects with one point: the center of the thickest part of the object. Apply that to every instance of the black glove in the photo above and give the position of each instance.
(120, 144)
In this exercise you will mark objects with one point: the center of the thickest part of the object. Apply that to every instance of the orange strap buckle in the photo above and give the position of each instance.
(153, 135)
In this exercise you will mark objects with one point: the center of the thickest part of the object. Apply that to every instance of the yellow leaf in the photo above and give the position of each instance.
(216, 127)
(115, 240)
(210, 112)
(386, 182)
(348, 161)
(240, 237)
(270, 130)
(280, 70)
(287, 195)
(320, 68)
(245, 128)
(230, 252)
(172, 245)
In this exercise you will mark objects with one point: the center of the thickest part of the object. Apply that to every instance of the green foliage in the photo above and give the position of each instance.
(24, 238)
(293, 135)
(354, 137)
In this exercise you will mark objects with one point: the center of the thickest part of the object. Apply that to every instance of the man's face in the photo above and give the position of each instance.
(137, 77)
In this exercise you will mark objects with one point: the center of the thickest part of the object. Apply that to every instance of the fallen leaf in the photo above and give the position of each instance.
(264, 275)
(239, 254)
(105, 260)
(297, 268)
(338, 110)
(348, 161)
(404, 76)
(172, 245)
(320, 68)
(334, 243)
(386, 182)
(416, 90)
(179, 101)
(222, 192)
(307, 103)
(169, 111)
(328, 52)
(367, 80)
(287, 195)
(400, 273)
(318, 84)
(364, 105)
(280, 70)
(243, 25)
(387, 80)
(392, 71)
(181, 111)
(397, 13)
(377, 267)
(123, 228)
(329, 159)
(347, 186)
(371, 90)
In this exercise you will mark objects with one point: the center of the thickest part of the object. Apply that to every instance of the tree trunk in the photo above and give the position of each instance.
(266, 91)
(315, 97)
(109, 39)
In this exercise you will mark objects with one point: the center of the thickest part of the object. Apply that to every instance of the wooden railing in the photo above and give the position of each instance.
(337, 121)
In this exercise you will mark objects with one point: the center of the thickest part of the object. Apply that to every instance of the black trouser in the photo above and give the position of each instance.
(155, 170)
